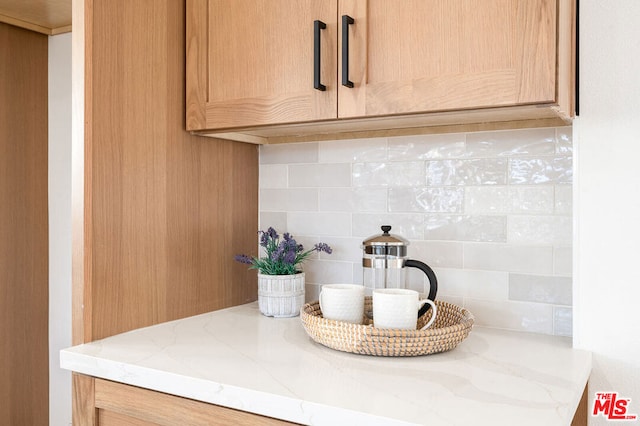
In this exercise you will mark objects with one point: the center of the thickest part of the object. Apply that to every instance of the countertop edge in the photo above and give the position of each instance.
(228, 396)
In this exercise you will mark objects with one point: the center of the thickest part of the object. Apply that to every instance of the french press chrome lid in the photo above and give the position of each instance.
(384, 251)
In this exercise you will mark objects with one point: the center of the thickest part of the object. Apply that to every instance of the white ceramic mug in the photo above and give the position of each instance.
(342, 302)
(398, 308)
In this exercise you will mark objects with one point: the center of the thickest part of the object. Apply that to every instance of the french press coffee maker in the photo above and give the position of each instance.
(385, 262)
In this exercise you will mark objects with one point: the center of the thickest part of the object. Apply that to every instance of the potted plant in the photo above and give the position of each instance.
(280, 277)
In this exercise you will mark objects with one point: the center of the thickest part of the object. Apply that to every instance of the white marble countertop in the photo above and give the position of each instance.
(240, 359)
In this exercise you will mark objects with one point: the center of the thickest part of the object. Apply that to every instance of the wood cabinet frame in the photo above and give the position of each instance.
(157, 213)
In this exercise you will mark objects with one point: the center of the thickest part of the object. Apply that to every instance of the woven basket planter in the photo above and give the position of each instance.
(280, 295)
(452, 325)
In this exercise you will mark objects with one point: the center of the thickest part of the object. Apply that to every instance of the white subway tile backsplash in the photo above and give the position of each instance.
(466, 228)
(509, 257)
(276, 220)
(539, 229)
(427, 200)
(562, 321)
(289, 153)
(408, 173)
(480, 171)
(487, 200)
(449, 283)
(532, 171)
(490, 212)
(564, 200)
(319, 175)
(480, 285)
(518, 316)
(308, 243)
(531, 199)
(273, 176)
(564, 139)
(512, 143)
(562, 261)
(416, 280)
(358, 273)
(370, 174)
(541, 289)
(319, 223)
(289, 199)
(328, 272)
(311, 291)
(509, 199)
(409, 226)
(353, 151)
(423, 147)
(444, 254)
(353, 199)
(344, 248)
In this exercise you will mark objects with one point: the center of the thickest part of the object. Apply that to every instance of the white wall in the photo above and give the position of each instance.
(607, 197)
(59, 226)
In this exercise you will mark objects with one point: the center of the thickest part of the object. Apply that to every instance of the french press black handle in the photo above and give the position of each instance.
(433, 282)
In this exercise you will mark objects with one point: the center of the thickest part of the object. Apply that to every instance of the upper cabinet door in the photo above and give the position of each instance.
(251, 62)
(410, 56)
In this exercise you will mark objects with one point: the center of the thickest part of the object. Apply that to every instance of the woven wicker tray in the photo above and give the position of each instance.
(452, 326)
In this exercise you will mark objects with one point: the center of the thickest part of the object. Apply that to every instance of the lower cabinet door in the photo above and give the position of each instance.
(111, 418)
(124, 405)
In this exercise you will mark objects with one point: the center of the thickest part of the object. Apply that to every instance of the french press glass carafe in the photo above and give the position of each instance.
(385, 262)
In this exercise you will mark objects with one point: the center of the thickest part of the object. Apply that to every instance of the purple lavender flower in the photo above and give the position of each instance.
(272, 233)
(264, 239)
(283, 257)
(290, 257)
(243, 258)
(291, 244)
(278, 254)
(323, 247)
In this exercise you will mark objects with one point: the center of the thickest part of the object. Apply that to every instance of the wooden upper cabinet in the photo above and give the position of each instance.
(409, 56)
(251, 62)
(386, 65)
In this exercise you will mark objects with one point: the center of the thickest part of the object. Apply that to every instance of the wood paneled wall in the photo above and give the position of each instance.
(24, 240)
(164, 212)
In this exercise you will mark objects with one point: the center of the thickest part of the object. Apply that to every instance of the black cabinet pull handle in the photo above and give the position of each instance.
(317, 26)
(346, 21)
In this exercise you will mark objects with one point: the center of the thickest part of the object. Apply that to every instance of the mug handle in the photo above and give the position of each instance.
(320, 301)
(423, 302)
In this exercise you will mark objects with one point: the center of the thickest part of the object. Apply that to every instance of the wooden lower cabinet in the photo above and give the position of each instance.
(581, 416)
(107, 418)
(104, 403)
(107, 403)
